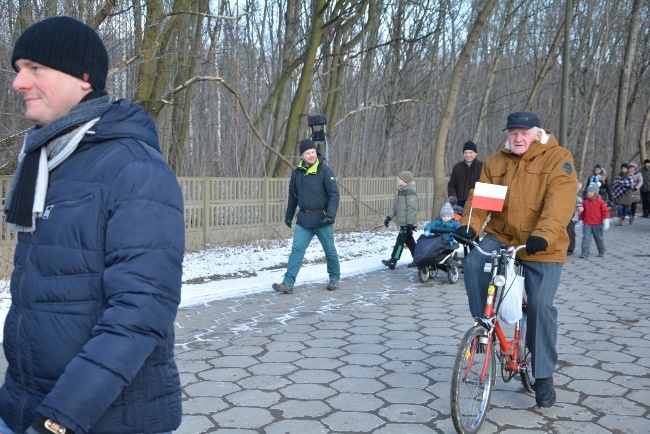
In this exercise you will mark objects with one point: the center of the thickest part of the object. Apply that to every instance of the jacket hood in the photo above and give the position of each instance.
(547, 142)
(125, 120)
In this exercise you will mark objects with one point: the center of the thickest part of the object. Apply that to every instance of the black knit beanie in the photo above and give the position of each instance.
(306, 145)
(470, 146)
(67, 45)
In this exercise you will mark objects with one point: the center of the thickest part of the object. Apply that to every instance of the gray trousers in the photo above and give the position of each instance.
(597, 232)
(541, 282)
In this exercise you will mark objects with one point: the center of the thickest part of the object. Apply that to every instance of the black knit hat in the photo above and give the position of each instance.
(67, 45)
(470, 146)
(306, 145)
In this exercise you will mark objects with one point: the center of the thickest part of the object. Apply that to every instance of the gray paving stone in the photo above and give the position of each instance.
(404, 396)
(346, 421)
(194, 425)
(407, 413)
(296, 427)
(300, 409)
(263, 382)
(319, 376)
(307, 391)
(355, 402)
(243, 417)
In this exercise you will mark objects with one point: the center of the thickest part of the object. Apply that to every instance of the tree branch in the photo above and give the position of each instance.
(223, 82)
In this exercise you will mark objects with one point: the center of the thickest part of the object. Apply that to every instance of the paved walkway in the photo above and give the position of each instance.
(377, 355)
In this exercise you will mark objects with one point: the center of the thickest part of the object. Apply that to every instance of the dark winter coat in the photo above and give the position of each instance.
(463, 178)
(314, 190)
(89, 337)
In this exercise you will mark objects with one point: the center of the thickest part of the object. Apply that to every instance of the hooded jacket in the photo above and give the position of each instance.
(595, 211)
(89, 337)
(540, 200)
(313, 189)
(405, 207)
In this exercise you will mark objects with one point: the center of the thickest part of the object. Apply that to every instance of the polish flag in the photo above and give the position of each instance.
(489, 197)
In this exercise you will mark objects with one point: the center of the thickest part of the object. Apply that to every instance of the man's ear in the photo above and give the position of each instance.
(85, 85)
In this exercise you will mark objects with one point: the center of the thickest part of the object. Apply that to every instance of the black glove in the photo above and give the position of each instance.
(327, 220)
(387, 221)
(288, 223)
(535, 244)
(465, 232)
(410, 227)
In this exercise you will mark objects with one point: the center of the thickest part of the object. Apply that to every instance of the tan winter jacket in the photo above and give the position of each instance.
(540, 199)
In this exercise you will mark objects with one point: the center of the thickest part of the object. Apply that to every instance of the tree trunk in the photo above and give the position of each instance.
(439, 178)
(624, 84)
(304, 85)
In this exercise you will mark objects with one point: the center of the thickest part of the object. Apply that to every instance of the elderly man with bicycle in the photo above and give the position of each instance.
(540, 201)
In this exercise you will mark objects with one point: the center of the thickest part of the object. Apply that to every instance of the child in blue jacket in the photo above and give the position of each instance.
(444, 221)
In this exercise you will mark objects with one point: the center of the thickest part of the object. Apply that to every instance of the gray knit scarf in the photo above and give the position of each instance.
(37, 157)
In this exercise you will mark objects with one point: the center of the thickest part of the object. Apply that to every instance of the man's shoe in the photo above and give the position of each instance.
(584, 256)
(390, 263)
(631, 220)
(333, 285)
(283, 288)
(601, 255)
(412, 265)
(544, 392)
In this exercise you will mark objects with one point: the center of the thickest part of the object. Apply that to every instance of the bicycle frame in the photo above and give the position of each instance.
(509, 349)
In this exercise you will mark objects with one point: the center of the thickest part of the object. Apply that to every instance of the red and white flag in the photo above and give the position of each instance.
(489, 197)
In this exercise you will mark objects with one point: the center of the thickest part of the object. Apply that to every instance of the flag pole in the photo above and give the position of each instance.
(469, 222)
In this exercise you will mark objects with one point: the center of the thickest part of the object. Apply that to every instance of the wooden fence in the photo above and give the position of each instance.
(227, 211)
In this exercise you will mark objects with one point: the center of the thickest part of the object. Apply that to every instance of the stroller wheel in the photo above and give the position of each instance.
(452, 273)
(423, 273)
(433, 271)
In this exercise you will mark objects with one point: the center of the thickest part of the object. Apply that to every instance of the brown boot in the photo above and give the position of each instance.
(631, 219)
(619, 222)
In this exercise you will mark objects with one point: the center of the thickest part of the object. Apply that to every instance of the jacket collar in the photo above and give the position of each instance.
(311, 170)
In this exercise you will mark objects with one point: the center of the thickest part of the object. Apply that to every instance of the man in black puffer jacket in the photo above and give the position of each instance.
(313, 189)
(89, 337)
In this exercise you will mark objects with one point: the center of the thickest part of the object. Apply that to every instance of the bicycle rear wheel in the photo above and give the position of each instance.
(525, 364)
(470, 395)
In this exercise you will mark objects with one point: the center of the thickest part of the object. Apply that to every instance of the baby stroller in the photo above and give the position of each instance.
(433, 253)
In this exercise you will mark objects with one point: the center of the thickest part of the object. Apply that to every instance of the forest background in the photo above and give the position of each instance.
(402, 84)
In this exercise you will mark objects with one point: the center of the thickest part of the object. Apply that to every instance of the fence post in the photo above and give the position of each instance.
(359, 201)
(205, 192)
(267, 201)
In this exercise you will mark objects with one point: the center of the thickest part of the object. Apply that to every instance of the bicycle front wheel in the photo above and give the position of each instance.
(472, 381)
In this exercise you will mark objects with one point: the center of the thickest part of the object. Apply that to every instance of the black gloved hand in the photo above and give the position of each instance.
(535, 244)
(410, 227)
(465, 232)
(387, 221)
(327, 220)
(288, 223)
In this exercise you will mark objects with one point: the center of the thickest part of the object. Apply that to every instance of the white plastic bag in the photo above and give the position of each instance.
(606, 224)
(512, 294)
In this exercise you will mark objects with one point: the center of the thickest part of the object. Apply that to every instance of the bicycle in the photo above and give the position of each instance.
(474, 374)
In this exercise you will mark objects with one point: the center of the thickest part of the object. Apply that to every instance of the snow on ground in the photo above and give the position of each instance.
(224, 272)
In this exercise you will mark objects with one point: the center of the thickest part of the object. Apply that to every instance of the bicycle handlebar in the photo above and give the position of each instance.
(472, 242)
